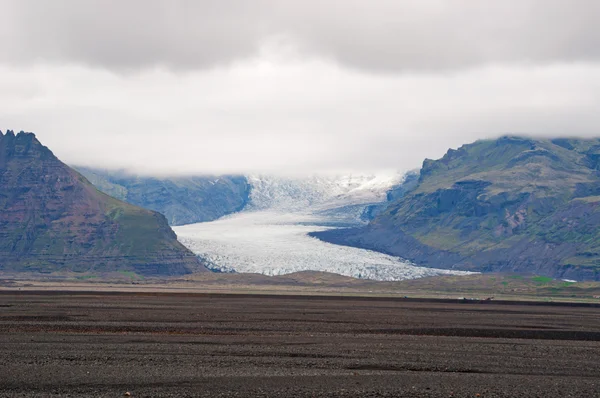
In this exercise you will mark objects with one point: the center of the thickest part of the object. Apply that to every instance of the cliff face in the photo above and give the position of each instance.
(53, 219)
(183, 200)
(512, 204)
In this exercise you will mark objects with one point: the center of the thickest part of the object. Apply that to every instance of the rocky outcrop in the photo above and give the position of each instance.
(507, 205)
(53, 220)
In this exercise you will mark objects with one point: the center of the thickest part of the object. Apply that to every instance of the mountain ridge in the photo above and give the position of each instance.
(53, 219)
(514, 204)
(182, 200)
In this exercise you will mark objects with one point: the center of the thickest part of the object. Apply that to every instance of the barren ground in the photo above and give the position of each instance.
(153, 345)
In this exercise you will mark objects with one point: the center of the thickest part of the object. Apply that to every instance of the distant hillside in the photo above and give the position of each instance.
(350, 199)
(182, 200)
(508, 205)
(53, 220)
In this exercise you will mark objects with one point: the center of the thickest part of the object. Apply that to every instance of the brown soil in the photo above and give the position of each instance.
(161, 345)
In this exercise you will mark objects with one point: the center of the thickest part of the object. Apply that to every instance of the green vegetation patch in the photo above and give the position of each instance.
(130, 274)
(542, 279)
(86, 277)
(441, 238)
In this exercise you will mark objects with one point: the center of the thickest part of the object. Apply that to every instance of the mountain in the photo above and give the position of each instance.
(54, 220)
(507, 205)
(395, 192)
(182, 200)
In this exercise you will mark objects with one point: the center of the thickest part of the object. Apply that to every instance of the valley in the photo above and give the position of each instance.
(271, 235)
(510, 205)
(277, 243)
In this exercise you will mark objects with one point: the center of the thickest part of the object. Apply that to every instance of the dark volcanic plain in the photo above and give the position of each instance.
(180, 345)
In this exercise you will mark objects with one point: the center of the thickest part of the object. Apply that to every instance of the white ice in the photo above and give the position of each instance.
(271, 237)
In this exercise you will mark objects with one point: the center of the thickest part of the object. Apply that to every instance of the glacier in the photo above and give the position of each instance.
(271, 235)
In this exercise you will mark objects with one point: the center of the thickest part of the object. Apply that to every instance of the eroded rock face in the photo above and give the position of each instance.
(512, 204)
(53, 219)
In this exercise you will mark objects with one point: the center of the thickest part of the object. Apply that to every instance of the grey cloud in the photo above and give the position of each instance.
(289, 118)
(280, 86)
(129, 34)
(378, 35)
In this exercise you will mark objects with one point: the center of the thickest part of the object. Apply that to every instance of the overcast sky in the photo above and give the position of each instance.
(294, 86)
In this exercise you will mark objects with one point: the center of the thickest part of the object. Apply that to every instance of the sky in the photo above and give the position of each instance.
(293, 87)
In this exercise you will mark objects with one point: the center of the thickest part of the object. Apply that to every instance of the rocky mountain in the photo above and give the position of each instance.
(54, 220)
(182, 200)
(511, 204)
(395, 192)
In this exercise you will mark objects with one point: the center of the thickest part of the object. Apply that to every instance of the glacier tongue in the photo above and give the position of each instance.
(271, 235)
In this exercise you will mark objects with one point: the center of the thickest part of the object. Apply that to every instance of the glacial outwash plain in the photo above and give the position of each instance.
(214, 345)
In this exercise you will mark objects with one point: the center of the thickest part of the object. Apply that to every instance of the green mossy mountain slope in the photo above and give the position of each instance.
(54, 220)
(507, 205)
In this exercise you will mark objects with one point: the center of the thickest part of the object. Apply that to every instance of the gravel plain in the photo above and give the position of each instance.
(79, 344)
